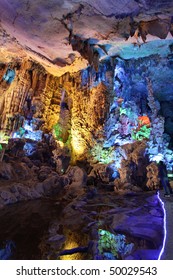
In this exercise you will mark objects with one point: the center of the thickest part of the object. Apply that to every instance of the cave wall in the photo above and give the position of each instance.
(83, 105)
(131, 84)
(77, 102)
(29, 81)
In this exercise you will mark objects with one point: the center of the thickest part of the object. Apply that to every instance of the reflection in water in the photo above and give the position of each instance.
(74, 240)
(70, 245)
(7, 251)
(52, 229)
(23, 226)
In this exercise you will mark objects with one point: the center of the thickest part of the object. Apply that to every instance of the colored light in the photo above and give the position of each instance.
(70, 244)
(164, 226)
(27, 127)
(77, 143)
(61, 144)
(157, 158)
(3, 137)
(144, 120)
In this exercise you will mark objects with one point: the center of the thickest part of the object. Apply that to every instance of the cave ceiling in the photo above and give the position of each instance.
(62, 34)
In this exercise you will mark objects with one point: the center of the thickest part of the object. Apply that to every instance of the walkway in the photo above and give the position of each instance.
(168, 203)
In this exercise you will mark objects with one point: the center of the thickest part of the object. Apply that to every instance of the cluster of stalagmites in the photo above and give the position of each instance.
(36, 95)
(85, 192)
(79, 110)
(47, 170)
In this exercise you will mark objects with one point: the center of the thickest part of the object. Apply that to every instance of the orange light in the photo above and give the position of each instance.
(144, 120)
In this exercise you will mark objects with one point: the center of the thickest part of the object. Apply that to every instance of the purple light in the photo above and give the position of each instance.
(164, 226)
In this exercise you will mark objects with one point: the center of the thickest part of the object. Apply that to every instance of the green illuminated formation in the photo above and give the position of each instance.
(3, 137)
(58, 132)
(129, 113)
(103, 155)
(123, 111)
(21, 131)
(142, 133)
(114, 245)
(1, 147)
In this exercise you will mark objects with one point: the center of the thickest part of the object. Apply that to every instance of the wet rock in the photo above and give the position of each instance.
(33, 194)
(15, 188)
(156, 213)
(44, 172)
(77, 175)
(152, 201)
(26, 193)
(136, 189)
(62, 163)
(15, 192)
(52, 185)
(99, 173)
(8, 197)
(57, 238)
(73, 191)
(65, 180)
(27, 161)
(77, 180)
(35, 169)
(146, 254)
(6, 171)
(22, 170)
(39, 188)
(147, 229)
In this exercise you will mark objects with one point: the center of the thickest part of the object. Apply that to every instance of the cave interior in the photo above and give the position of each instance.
(86, 117)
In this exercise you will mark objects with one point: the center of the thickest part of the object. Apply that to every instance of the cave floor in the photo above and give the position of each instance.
(168, 203)
(41, 228)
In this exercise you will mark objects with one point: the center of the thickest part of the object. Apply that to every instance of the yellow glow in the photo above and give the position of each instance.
(79, 64)
(60, 143)
(77, 143)
(74, 240)
(70, 244)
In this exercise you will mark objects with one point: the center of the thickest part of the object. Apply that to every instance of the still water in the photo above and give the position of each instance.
(23, 225)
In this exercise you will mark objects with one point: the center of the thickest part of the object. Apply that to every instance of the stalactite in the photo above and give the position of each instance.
(17, 92)
(82, 121)
(154, 106)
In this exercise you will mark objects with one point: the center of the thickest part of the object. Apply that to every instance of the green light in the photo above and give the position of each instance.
(115, 244)
(102, 155)
(123, 111)
(3, 137)
(58, 132)
(144, 132)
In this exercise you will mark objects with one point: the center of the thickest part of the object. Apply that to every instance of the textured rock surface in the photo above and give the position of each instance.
(44, 30)
(50, 104)
(25, 178)
(84, 124)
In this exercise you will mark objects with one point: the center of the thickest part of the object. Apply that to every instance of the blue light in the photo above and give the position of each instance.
(157, 158)
(9, 76)
(164, 226)
(29, 148)
(29, 132)
(27, 126)
(6, 252)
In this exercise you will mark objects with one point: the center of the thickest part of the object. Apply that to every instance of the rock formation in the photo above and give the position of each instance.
(85, 112)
